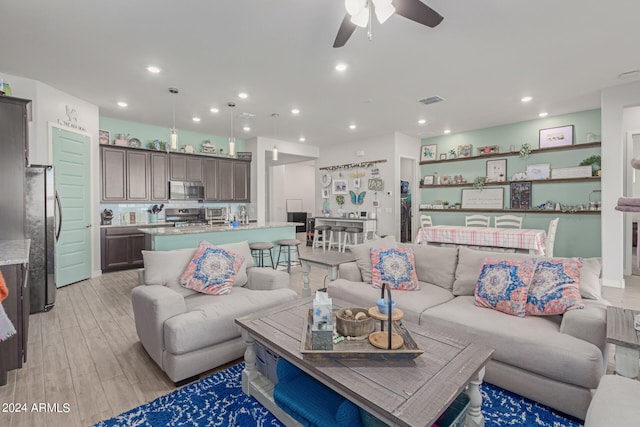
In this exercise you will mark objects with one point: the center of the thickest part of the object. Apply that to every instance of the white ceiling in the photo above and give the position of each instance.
(482, 59)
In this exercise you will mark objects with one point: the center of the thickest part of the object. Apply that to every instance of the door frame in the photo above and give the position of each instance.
(627, 224)
(95, 231)
(414, 185)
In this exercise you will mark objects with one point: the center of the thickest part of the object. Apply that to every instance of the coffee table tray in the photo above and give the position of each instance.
(359, 349)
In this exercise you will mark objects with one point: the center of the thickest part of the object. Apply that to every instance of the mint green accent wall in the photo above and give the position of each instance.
(577, 235)
(147, 133)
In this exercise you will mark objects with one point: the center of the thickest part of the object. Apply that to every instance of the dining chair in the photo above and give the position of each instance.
(508, 221)
(425, 221)
(477, 221)
(551, 237)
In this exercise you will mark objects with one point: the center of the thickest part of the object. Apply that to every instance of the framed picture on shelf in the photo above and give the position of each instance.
(539, 171)
(496, 170)
(556, 137)
(428, 180)
(520, 195)
(464, 150)
(487, 198)
(428, 152)
(104, 137)
(443, 157)
(488, 150)
(340, 186)
(445, 180)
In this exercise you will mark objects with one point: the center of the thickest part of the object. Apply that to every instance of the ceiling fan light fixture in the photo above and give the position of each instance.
(354, 7)
(362, 18)
(384, 9)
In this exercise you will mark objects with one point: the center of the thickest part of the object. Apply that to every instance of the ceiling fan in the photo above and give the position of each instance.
(359, 14)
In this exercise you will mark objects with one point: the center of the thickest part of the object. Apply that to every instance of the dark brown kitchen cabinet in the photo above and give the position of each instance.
(233, 180)
(185, 168)
(159, 177)
(114, 174)
(13, 351)
(121, 248)
(137, 176)
(211, 188)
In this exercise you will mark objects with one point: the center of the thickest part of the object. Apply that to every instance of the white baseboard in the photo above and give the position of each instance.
(613, 283)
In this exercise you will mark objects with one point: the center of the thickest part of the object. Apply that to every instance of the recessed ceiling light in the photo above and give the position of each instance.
(341, 67)
(526, 99)
(447, 131)
(215, 110)
(422, 121)
(153, 69)
(295, 111)
(122, 104)
(196, 119)
(543, 114)
(352, 127)
(243, 95)
(246, 128)
(302, 139)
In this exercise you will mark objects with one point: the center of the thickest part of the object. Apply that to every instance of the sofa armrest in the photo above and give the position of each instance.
(589, 324)
(349, 271)
(141, 276)
(152, 306)
(266, 279)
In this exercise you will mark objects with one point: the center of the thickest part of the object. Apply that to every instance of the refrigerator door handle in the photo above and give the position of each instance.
(59, 216)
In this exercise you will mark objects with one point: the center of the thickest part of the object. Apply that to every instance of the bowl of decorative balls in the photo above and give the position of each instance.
(354, 322)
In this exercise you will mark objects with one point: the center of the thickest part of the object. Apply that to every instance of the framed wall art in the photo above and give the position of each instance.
(324, 192)
(428, 180)
(556, 137)
(465, 150)
(487, 198)
(103, 137)
(340, 186)
(443, 157)
(539, 171)
(376, 184)
(497, 170)
(520, 195)
(428, 152)
(488, 150)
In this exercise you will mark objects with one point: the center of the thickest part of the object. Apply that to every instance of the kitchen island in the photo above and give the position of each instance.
(164, 239)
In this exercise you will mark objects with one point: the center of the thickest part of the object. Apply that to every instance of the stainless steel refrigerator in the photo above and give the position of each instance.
(40, 203)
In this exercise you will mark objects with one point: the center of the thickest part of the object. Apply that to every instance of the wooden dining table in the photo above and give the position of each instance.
(533, 240)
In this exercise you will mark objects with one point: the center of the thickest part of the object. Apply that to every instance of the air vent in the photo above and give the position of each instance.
(431, 100)
(247, 116)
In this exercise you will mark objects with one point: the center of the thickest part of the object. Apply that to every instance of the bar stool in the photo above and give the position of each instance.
(320, 238)
(289, 245)
(259, 251)
(339, 230)
(351, 234)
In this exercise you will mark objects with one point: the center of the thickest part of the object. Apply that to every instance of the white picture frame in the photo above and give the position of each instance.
(538, 171)
(428, 152)
(571, 172)
(486, 198)
(556, 137)
(324, 192)
(375, 203)
(340, 186)
(356, 183)
(497, 170)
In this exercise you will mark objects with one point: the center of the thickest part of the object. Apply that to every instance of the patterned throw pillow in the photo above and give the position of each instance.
(555, 287)
(503, 285)
(212, 270)
(395, 266)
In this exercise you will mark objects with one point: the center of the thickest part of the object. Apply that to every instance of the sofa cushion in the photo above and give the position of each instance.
(503, 285)
(411, 303)
(555, 287)
(395, 266)
(434, 264)
(209, 320)
(590, 286)
(241, 248)
(212, 270)
(363, 255)
(164, 268)
(532, 343)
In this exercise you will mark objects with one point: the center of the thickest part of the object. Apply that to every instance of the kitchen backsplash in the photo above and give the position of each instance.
(124, 212)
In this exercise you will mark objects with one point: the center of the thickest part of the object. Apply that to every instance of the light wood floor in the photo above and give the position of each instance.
(85, 353)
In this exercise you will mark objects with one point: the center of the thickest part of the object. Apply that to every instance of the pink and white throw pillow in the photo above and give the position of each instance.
(555, 287)
(395, 266)
(503, 285)
(212, 270)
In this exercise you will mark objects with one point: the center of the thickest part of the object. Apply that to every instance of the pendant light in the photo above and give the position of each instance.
(174, 133)
(232, 140)
(274, 152)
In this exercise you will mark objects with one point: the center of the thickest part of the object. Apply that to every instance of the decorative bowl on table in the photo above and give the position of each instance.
(354, 322)
(383, 305)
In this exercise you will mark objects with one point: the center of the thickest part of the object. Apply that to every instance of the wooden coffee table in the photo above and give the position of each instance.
(325, 259)
(620, 332)
(399, 392)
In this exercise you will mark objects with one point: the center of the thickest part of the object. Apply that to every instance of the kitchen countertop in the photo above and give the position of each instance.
(214, 228)
(155, 224)
(14, 251)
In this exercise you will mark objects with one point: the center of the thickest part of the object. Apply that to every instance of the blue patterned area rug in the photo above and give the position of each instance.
(218, 400)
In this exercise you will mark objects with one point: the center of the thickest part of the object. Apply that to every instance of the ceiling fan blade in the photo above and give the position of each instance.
(344, 32)
(418, 12)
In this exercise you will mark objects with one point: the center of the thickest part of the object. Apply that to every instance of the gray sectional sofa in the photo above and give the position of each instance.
(187, 332)
(556, 360)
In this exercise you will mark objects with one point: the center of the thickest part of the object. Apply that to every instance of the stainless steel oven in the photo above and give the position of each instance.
(186, 190)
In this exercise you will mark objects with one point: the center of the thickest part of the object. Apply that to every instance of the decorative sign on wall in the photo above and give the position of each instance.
(520, 195)
(376, 184)
(487, 198)
(72, 119)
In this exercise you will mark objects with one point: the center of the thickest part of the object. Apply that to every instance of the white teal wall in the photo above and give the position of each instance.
(614, 135)
(577, 235)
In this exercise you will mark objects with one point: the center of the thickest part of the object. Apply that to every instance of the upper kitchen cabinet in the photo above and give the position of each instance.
(211, 187)
(159, 177)
(185, 168)
(137, 176)
(133, 175)
(233, 179)
(114, 174)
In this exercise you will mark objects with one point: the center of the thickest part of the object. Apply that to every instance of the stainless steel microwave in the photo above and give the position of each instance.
(186, 190)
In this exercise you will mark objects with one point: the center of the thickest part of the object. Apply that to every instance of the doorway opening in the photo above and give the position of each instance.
(408, 207)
